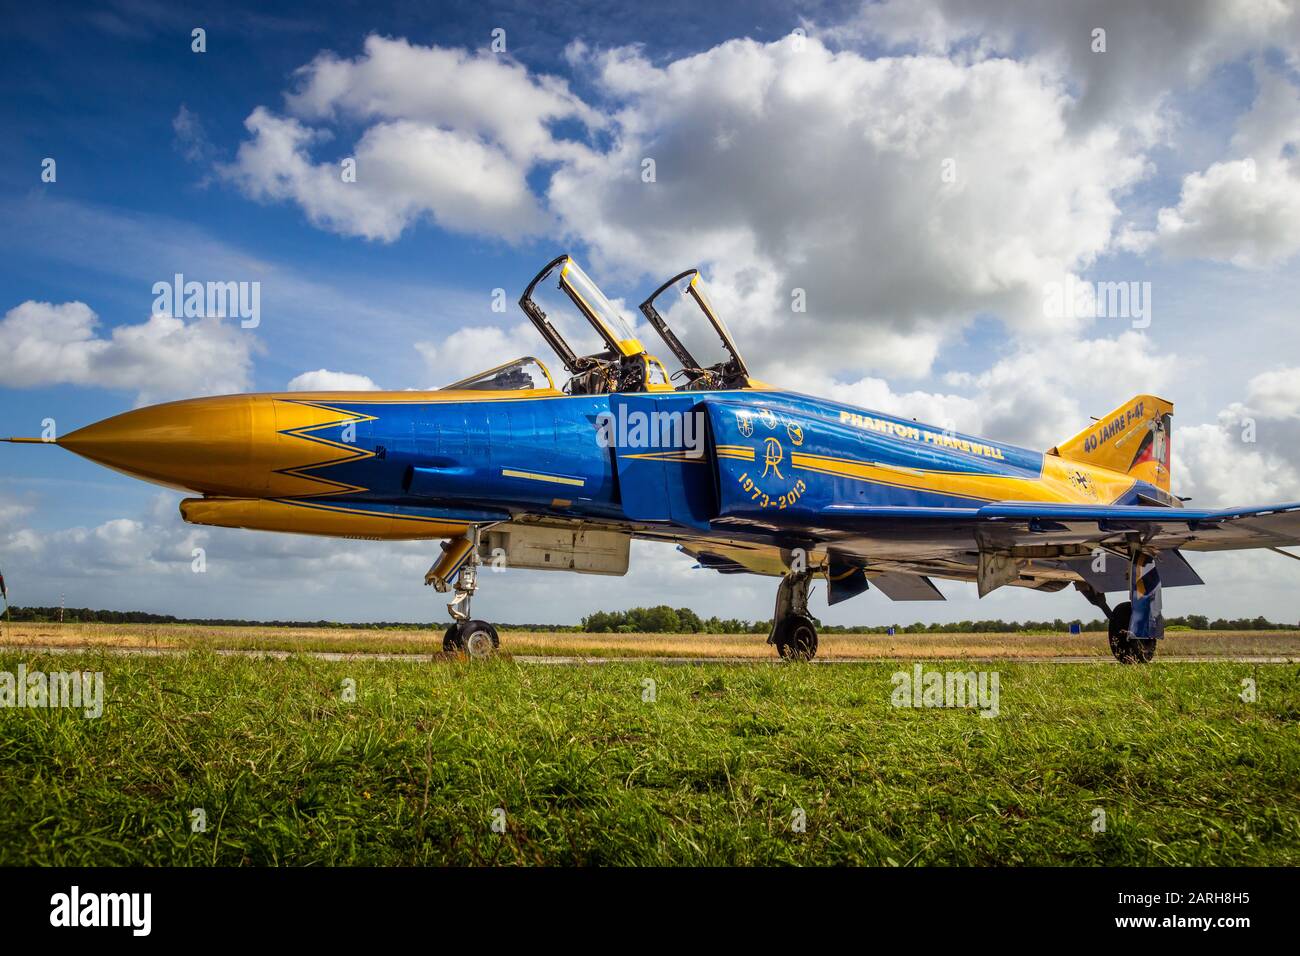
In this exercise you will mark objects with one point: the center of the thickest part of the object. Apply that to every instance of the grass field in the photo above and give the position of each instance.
(429, 639)
(586, 771)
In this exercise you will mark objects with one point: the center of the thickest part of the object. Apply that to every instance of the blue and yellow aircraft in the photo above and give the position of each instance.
(745, 477)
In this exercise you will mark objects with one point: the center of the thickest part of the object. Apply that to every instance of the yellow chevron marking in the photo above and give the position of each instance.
(534, 476)
(297, 450)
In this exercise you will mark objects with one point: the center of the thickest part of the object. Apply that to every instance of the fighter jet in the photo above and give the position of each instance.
(746, 477)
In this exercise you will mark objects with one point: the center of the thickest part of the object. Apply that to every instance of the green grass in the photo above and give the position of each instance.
(588, 773)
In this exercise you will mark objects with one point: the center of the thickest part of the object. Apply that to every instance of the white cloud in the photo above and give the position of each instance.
(1276, 394)
(324, 380)
(189, 136)
(485, 94)
(1244, 210)
(477, 348)
(1251, 453)
(403, 170)
(778, 168)
(46, 344)
(1151, 48)
(452, 135)
(1214, 467)
(11, 511)
(797, 168)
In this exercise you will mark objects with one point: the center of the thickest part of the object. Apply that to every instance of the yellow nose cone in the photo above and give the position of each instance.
(238, 446)
(203, 444)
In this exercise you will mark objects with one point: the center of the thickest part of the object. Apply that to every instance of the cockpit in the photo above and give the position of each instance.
(712, 361)
(599, 347)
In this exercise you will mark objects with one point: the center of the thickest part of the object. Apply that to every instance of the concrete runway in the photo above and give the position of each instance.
(571, 661)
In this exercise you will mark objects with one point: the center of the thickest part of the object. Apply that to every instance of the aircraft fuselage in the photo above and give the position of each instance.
(419, 464)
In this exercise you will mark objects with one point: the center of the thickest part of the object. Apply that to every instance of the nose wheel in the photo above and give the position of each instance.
(478, 639)
(457, 571)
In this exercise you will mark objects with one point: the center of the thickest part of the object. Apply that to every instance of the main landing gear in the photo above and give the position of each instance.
(793, 630)
(459, 561)
(1126, 648)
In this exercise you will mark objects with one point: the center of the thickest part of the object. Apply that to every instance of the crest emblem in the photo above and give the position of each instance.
(1083, 483)
(773, 455)
(769, 418)
(745, 424)
(795, 431)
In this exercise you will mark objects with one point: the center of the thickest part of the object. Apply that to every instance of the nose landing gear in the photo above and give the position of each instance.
(457, 570)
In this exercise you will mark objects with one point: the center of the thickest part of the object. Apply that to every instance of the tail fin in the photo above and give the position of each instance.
(1133, 440)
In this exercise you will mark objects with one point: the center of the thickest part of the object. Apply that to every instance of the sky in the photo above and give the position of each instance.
(935, 179)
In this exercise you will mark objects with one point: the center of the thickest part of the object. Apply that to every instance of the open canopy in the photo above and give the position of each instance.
(599, 346)
(562, 296)
(711, 361)
(567, 306)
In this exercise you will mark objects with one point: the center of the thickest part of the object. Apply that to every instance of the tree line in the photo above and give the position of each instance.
(663, 619)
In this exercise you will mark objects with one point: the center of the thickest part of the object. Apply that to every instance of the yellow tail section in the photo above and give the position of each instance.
(1133, 440)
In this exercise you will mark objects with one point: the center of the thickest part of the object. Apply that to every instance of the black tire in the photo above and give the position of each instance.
(1126, 648)
(479, 639)
(796, 638)
(451, 640)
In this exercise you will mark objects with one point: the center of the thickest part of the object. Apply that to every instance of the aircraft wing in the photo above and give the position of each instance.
(1013, 523)
(1047, 545)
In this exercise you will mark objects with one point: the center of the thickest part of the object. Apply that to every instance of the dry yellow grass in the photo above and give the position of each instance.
(429, 639)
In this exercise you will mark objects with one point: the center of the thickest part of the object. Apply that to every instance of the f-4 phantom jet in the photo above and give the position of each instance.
(743, 476)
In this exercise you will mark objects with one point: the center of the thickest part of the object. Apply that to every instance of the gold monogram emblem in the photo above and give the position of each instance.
(773, 455)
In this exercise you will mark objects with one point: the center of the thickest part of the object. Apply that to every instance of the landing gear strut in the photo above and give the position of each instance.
(1126, 648)
(460, 560)
(793, 630)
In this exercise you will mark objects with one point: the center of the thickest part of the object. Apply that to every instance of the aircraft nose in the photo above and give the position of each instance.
(202, 444)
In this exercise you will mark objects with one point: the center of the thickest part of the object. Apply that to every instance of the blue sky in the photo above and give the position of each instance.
(784, 160)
